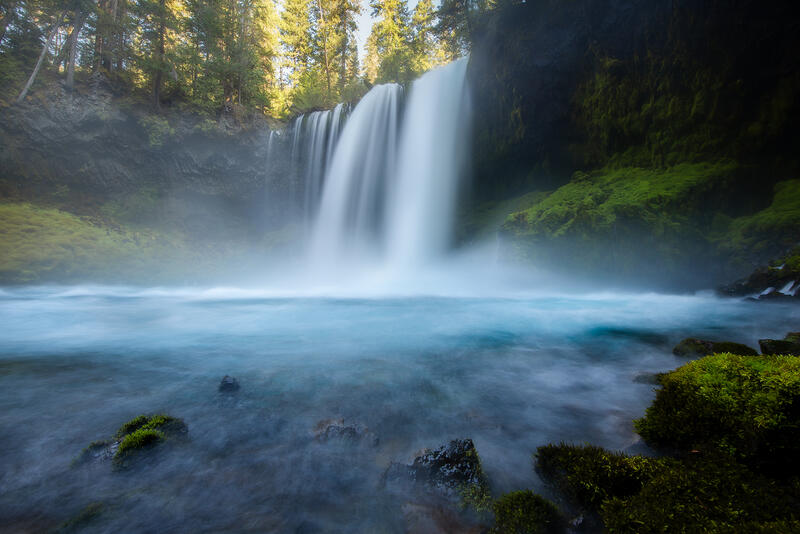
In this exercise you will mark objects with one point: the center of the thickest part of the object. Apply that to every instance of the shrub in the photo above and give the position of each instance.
(524, 512)
(700, 495)
(748, 406)
(589, 475)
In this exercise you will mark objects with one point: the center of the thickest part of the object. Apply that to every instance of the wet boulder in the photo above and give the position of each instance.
(139, 435)
(695, 348)
(337, 430)
(228, 384)
(788, 345)
(452, 470)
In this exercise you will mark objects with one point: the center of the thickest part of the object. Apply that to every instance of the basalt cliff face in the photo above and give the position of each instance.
(94, 144)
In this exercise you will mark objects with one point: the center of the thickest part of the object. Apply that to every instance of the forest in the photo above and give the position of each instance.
(278, 59)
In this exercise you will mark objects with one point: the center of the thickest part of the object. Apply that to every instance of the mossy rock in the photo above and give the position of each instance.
(779, 346)
(589, 475)
(524, 512)
(145, 432)
(692, 347)
(141, 433)
(747, 406)
(702, 495)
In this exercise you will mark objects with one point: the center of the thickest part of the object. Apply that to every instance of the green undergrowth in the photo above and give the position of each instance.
(700, 493)
(39, 244)
(631, 220)
(592, 202)
(524, 512)
(766, 233)
(746, 406)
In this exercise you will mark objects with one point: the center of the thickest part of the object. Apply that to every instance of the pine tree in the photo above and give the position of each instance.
(392, 40)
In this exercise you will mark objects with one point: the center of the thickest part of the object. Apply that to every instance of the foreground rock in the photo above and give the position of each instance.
(453, 471)
(692, 347)
(134, 438)
(788, 345)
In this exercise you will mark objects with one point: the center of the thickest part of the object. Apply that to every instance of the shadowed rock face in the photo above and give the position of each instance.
(92, 141)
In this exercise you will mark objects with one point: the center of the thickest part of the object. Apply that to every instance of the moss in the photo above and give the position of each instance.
(524, 512)
(172, 426)
(138, 439)
(133, 425)
(748, 406)
(769, 232)
(82, 519)
(140, 433)
(589, 475)
(700, 495)
(38, 244)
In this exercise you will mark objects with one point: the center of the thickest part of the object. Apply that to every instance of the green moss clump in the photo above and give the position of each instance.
(748, 406)
(135, 441)
(133, 425)
(524, 512)
(80, 521)
(143, 432)
(699, 495)
(589, 475)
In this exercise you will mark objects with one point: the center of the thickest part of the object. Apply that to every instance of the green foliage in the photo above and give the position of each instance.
(748, 406)
(524, 512)
(38, 244)
(768, 232)
(592, 203)
(157, 129)
(590, 475)
(702, 495)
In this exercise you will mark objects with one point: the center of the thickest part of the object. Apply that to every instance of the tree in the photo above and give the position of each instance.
(156, 19)
(296, 37)
(56, 19)
(423, 40)
(391, 40)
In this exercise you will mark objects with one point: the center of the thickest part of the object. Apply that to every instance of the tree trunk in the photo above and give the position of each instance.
(39, 62)
(325, 48)
(158, 78)
(72, 44)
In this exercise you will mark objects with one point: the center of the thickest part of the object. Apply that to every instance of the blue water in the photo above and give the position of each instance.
(511, 374)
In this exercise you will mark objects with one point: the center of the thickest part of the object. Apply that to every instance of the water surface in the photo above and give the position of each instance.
(510, 373)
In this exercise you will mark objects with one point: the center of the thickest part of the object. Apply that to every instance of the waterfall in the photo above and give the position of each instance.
(390, 187)
(432, 147)
(353, 196)
(314, 138)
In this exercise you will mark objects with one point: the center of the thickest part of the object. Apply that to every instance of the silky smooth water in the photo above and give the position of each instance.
(512, 374)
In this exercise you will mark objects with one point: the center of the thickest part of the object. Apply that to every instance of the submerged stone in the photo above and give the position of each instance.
(228, 384)
(337, 429)
(692, 347)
